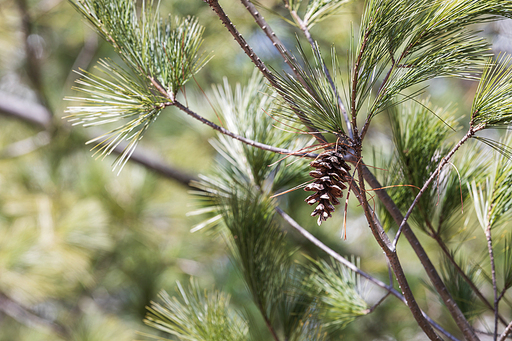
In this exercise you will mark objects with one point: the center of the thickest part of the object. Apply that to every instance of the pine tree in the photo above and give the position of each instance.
(317, 114)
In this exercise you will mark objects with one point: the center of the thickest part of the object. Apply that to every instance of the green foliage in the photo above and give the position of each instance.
(459, 289)
(317, 10)
(419, 133)
(492, 197)
(311, 100)
(151, 47)
(106, 250)
(161, 58)
(337, 294)
(245, 111)
(197, 316)
(116, 96)
(421, 41)
(493, 99)
(45, 252)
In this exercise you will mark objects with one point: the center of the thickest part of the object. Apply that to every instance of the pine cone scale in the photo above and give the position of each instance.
(330, 174)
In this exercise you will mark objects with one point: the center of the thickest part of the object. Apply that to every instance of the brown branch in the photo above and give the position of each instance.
(384, 242)
(214, 5)
(355, 269)
(25, 316)
(32, 62)
(488, 236)
(20, 108)
(431, 271)
(262, 23)
(506, 332)
(39, 116)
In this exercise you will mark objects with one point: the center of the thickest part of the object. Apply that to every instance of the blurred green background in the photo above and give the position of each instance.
(82, 250)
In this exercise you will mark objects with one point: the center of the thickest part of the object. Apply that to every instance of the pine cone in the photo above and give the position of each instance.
(331, 172)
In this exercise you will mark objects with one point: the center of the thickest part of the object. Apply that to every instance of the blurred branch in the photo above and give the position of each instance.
(84, 58)
(20, 108)
(28, 145)
(28, 318)
(40, 116)
(32, 50)
(506, 332)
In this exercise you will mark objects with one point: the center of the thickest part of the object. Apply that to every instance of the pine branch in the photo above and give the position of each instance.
(197, 315)
(303, 25)
(420, 252)
(443, 162)
(462, 273)
(28, 318)
(40, 116)
(214, 4)
(352, 267)
(290, 60)
(505, 333)
(384, 242)
(276, 42)
(238, 137)
(488, 236)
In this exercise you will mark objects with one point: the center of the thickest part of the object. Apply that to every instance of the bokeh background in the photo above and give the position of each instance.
(83, 251)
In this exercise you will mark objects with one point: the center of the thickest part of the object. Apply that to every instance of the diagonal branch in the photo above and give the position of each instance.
(471, 132)
(384, 242)
(355, 269)
(304, 27)
(475, 289)
(40, 116)
(488, 236)
(238, 137)
(431, 271)
(505, 333)
(214, 5)
(28, 318)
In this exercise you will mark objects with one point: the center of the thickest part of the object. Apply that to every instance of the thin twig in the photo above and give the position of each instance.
(384, 242)
(369, 311)
(214, 5)
(304, 27)
(431, 271)
(355, 269)
(488, 333)
(28, 318)
(506, 332)
(488, 236)
(444, 161)
(238, 137)
(262, 23)
(475, 289)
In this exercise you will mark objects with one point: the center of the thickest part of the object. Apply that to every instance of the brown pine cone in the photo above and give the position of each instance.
(331, 173)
